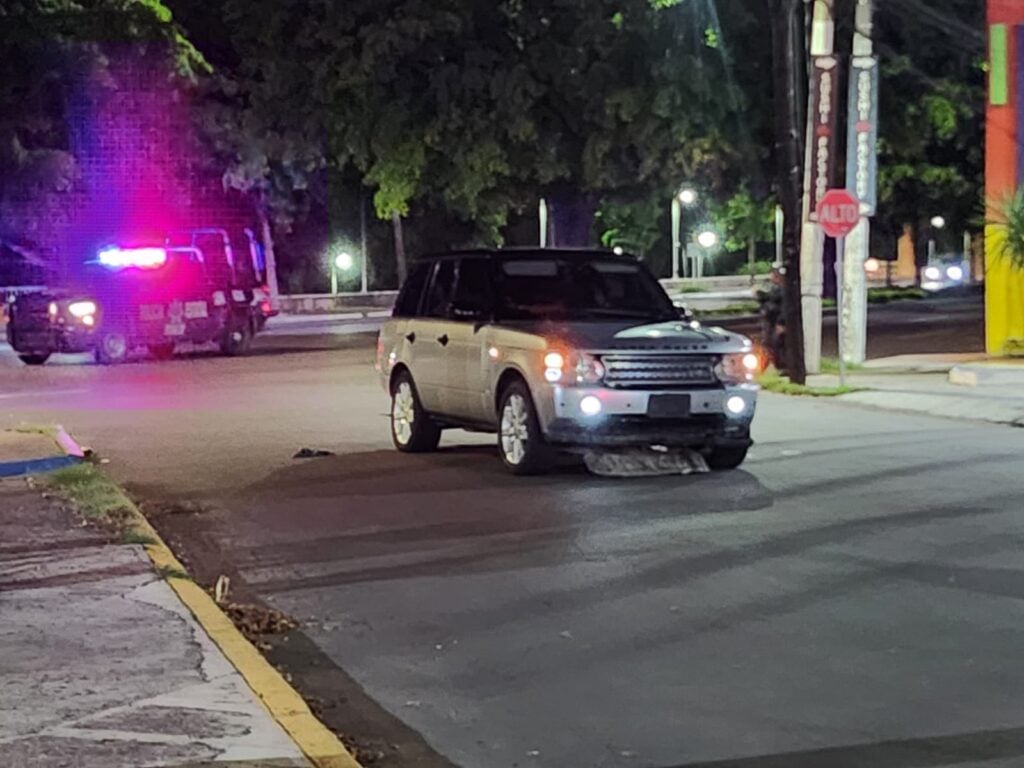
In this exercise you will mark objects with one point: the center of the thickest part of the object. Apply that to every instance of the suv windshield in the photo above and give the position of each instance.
(579, 288)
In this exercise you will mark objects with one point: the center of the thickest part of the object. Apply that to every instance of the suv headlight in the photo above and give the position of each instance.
(737, 368)
(574, 369)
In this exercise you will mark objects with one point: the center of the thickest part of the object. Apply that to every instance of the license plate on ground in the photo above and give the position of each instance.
(668, 406)
(174, 329)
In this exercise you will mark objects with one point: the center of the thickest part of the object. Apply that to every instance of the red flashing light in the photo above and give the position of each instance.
(142, 258)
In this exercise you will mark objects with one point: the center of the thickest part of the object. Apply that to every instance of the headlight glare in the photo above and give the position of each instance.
(736, 368)
(82, 309)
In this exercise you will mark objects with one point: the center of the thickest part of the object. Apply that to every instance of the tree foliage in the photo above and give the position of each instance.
(931, 147)
(49, 46)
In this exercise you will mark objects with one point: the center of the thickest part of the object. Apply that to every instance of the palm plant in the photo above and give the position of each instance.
(1007, 239)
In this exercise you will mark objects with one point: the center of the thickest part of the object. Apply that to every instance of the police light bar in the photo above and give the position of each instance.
(143, 258)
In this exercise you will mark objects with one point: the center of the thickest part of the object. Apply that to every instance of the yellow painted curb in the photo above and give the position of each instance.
(283, 702)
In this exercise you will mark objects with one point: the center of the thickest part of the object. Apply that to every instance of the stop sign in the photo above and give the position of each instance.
(838, 212)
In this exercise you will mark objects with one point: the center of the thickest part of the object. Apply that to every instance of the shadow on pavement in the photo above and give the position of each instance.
(933, 752)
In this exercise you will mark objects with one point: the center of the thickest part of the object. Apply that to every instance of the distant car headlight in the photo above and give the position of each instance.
(933, 273)
(955, 273)
(82, 309)
(738, 367)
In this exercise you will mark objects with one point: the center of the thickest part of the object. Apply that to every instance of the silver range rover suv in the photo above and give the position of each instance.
(560, 350)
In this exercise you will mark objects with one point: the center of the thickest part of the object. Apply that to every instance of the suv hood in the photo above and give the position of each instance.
(623, 336)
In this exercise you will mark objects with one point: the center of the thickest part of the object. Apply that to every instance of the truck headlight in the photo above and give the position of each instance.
(736, 368)
(82, 309)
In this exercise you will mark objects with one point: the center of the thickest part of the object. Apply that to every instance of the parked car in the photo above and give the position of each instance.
(560, 350)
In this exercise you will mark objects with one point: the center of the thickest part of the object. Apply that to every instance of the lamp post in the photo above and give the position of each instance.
(685, 196)
(342, 262)
(938, 223)
(708, 240)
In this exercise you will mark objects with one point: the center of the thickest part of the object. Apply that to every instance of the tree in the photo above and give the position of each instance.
(746, 222)
(49, 47)
(932, 92)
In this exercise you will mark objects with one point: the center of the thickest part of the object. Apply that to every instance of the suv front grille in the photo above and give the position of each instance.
(647, 371)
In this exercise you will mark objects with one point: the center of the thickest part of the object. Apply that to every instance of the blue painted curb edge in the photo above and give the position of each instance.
(73, 454)
(36, 466)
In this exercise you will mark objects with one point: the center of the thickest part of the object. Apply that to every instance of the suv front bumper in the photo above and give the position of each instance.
(625, 418)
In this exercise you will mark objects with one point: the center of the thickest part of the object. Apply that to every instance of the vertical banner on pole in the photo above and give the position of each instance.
(862, 133)
(824, 111)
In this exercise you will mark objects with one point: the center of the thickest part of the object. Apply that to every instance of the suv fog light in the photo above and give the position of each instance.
(736, 405)
(590, 406)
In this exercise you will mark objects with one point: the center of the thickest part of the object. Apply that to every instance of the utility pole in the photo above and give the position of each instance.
(788, 74)
(819, 162)
(861, 180)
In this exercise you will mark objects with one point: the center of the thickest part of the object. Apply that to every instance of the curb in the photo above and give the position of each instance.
(320, 745)
(71, 454)
(942, 406)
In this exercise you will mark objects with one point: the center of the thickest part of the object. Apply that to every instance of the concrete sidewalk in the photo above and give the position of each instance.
(949, 386)
(102, 666)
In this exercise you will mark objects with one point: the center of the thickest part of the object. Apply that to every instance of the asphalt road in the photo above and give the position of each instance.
(851, 597)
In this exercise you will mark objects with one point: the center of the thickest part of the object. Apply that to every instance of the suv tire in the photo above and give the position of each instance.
(112, 348)
(237, 338)
(412, 429)
(520, 440)
(727, 457)
(37, 359)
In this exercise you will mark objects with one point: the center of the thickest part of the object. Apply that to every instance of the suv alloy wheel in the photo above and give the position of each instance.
(412, 430)
(520, 441)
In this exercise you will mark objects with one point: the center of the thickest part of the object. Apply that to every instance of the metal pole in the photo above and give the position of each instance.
(858, 248)
(677, 216)
(365, 269)
(780, 224)
(543, 212)
(840, 296)
(812, 241)
(334, 278)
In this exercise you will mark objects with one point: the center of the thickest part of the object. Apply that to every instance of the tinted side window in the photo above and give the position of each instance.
(442, 290)
(408, 303)
(473, 291)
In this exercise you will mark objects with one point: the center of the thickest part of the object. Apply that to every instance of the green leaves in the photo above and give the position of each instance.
(1007, 216)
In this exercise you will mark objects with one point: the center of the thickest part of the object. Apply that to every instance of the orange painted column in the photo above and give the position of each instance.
(1004, 161)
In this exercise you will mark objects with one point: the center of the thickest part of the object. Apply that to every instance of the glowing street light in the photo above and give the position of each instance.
(938, 222)
(707, 239)
(344, 261)
(687, 196)
(341, 262)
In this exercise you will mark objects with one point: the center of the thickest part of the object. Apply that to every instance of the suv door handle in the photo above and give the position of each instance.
(443, 340)
(411, 337)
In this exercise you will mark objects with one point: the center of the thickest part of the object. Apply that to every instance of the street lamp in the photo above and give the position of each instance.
(686, 196)
(342, 262)
(707, 239)
(938, 222)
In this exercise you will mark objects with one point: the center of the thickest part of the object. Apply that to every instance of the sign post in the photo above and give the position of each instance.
(838, 214)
